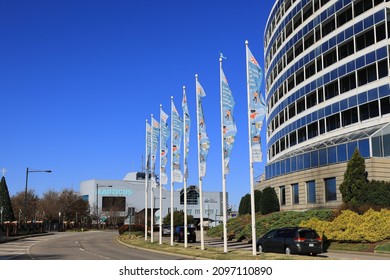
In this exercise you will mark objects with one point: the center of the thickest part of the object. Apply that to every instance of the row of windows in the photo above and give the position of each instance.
(310, 192)
(325, 79)
(335, 16)
(298, 14)
(330, 155)
(342, 119)
(329, 58)
(325, 54)
(342, 85)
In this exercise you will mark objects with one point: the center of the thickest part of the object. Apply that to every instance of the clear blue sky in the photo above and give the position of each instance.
(79, 78)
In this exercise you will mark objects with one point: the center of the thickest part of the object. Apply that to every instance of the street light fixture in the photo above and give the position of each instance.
(25, 190)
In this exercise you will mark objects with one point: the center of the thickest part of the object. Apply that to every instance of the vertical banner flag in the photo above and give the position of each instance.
(155, 135)
(257, 106)
(204, 143)
(187, 126)
(164, 147)
(228, 123)
(177, 129)
(148, 148)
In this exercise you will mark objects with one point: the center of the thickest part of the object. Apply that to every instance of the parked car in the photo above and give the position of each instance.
(179, 234)
(166, 230)
(291, 240)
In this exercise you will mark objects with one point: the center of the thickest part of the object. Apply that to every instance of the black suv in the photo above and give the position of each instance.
(291, 240)
(179, 234)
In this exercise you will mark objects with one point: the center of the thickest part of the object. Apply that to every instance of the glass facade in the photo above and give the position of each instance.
(327, 76)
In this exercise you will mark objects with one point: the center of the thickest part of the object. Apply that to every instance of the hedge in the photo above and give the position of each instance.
(349, 226)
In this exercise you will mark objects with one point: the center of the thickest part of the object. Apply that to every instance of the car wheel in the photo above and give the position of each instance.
(260, 249)
(287, 251)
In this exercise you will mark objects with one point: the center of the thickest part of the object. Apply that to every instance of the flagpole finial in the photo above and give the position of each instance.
(196, 75)
(246, 42)
(146, 120)
(160, 105)
(220, 59)
(184, 87)
(171, 97)
(151, 115)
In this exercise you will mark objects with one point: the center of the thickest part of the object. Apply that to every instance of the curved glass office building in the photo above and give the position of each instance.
(327, 91)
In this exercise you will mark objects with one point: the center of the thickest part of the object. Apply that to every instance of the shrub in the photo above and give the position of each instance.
(349, 226)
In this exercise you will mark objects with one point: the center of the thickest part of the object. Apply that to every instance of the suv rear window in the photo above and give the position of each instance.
(308, 234)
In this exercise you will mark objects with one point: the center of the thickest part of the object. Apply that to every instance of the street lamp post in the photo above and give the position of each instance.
(25, 190)
(97, 201)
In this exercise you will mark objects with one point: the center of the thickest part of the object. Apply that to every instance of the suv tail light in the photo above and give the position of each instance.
(299, 239)
(319, 239)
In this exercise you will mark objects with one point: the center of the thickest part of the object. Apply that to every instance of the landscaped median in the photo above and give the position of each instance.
(195, 251)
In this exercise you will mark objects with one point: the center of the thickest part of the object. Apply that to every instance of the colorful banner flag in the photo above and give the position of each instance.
(155, 136)
(187, 127)
(204, 143)
(228, 123)
(164, 146)
(257, 106)
(177, 132)
(148, 147)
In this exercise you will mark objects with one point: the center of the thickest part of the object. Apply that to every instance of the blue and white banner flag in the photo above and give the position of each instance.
(148, 147)
(155, 136)
(187, 127)
(257, 107)
(228, 123)
(164, 147)
(204, 143)
(177, 132)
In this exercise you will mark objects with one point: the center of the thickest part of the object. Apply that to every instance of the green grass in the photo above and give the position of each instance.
(383, 247)
(209, 253)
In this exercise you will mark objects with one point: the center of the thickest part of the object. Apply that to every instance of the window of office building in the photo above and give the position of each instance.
(330, 189)
(364, 40)
(311, 99)
(333, 122)
(293, 138)
(362, 6)
(295, 192)
(369, 110)
(385, 105)
(302, 134)
(113, 203)
(311, 191)
(192, 196)
(312, 130)
(328, 26)
(291, 111)
(330, 58)
(349, 116)
(331, 90)
(282, 193)
(367, 74)
(348, 83)
(301, 105)
(346, 49)
(344, 16)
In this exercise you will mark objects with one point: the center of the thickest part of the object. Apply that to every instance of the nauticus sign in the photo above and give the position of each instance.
(115, 192)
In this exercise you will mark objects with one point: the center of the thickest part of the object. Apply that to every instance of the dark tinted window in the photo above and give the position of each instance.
(308, 234)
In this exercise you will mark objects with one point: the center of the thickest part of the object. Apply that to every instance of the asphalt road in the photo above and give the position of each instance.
(91, 245)
(102, 245)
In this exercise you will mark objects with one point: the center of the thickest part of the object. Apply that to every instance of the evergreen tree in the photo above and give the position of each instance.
(355, 178)
(258, 195)
(269, 201)
(245, 205)
(5, 202)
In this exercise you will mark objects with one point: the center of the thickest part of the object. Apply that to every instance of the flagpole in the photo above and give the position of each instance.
(146, 182)
(251, 177)
(151, 186)
(200, 177)
(171, 172)
(160, 225)
(223, 167)
(185, 170)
